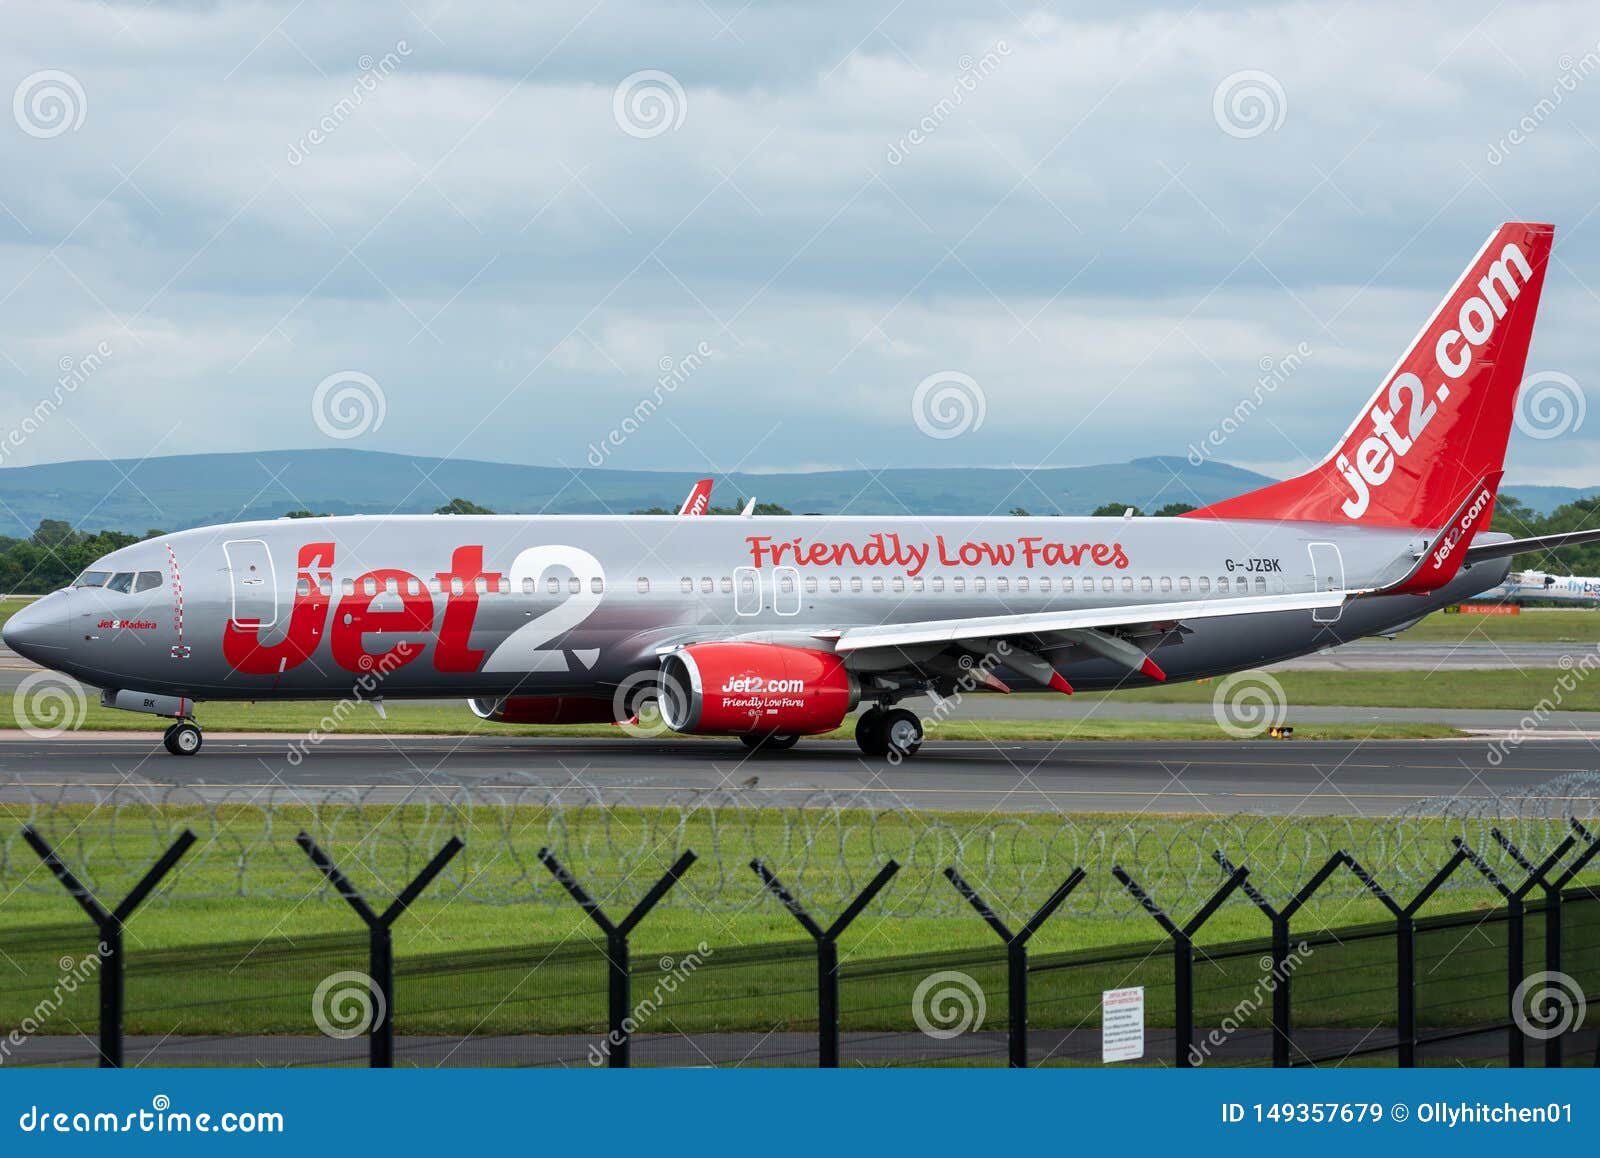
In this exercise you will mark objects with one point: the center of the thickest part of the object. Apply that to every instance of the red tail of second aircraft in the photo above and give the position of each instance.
(1441, 419)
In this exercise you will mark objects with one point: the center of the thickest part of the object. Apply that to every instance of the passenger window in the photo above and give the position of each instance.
(1022, 584)
(552, 586)
(916, 584)
(413, 587)
(1166, 582)
(727, 585)
(811, 584)
(528, 586)
(303, 587)
(834, 584)
(458, 586)
(898, 584)
(1261, 584)
(574, 585)
(1222, 584)
(147, 581)
(1204, 584)
(786, 585)
(877, 583)
(1002, 584)
(1044, 584)
(1183, 583)
(1066, 583)
(958, 584)
(1145, 584)
(1108, 584)
(505, 585)
(348, 586)
(855, 583)
(938, 583)
(980, 583)
(686, 584)
(705, 585)
(597, 586)
(642, 585)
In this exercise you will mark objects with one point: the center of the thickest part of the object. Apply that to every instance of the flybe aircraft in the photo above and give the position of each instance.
(769, 629)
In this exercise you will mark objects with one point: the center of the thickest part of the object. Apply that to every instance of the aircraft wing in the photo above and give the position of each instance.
(1101, 618)
(1480, 551)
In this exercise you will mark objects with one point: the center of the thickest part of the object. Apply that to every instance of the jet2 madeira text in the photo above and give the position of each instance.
(769, 629)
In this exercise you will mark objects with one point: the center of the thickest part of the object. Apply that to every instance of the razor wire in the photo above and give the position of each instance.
(824, 844)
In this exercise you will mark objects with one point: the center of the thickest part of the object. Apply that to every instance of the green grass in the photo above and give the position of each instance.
(1518, 690)
(244, 963)
(414, 719)
(1533, 625)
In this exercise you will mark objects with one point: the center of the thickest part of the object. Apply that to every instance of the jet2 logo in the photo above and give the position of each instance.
(747, 685)
(1408, 402)
(1448, 540)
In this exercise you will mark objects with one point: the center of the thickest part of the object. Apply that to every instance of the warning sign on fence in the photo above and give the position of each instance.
(1122, 1024)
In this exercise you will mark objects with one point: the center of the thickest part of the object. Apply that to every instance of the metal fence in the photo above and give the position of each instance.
(1497, 985)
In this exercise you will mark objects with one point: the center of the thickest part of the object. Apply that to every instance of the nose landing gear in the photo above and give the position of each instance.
(183, 738)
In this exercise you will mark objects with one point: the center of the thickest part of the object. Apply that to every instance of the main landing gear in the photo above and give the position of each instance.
(889, 733)
(183, 738)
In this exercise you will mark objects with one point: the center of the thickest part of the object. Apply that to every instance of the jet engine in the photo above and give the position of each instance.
(754, 689)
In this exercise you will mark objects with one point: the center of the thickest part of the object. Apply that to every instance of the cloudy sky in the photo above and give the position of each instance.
(877, 233)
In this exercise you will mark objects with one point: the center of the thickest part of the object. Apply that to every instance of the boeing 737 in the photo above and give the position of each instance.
(772, 628)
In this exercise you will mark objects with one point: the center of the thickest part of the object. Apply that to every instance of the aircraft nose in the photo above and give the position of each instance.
(37, 632)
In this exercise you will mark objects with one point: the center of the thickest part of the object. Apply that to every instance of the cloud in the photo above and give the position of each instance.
(440, 196)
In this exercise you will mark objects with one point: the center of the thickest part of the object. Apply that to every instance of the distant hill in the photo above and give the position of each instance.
(1546, 499)
(194, 490)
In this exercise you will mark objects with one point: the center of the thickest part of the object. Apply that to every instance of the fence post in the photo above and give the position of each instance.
(1182, 954)
(1282, 1040)
(108, 925)
(380, 936)
(827, 951)
(1552, 907)
(1516, 959)
(619, 959)
(1016, 954)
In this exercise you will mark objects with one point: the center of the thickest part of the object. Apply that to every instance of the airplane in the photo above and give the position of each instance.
(699, 500)
(772, 628)
(1540, 587)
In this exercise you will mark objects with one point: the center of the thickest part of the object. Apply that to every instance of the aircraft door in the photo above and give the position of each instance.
(253, 581)
(746, 591)
(1327, 574)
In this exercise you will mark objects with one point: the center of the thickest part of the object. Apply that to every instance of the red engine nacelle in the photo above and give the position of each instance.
(752, 688)
(544, 710)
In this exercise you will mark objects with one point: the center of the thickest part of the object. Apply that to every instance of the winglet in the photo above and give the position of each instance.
(1448, 550)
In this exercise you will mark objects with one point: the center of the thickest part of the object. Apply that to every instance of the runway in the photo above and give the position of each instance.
(1275, 777)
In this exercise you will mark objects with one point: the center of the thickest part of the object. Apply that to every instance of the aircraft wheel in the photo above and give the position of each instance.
(870, 735)
(768, 741)
(902, 733)
(183, 738)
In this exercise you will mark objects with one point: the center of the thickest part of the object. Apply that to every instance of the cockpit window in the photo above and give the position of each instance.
(146, 581)
(122, 581)
(92, 579)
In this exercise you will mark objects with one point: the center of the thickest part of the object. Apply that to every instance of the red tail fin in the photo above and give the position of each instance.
(699, 500)
(1440, 421)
